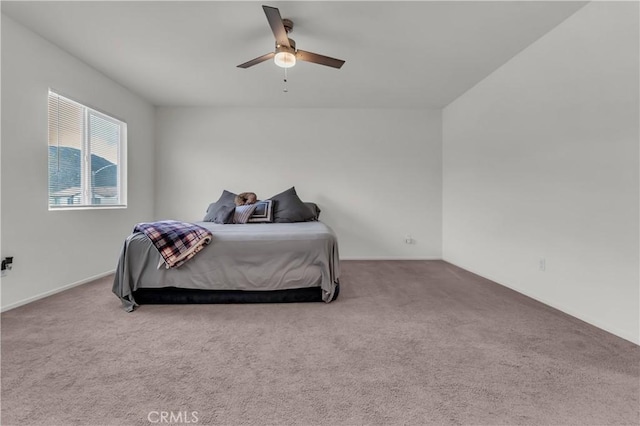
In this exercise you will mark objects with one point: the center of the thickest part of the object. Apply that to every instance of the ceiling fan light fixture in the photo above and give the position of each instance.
(285, 57)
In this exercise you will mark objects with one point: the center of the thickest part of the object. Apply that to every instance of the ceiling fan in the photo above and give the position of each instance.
(286, 54)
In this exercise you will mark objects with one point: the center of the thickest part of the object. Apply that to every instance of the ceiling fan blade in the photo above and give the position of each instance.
(275, 21)
(257, 60)
(318, 59)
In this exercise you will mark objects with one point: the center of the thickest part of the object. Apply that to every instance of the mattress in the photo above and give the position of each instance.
(247, 257)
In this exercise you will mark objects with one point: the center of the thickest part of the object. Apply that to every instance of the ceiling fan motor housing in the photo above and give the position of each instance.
(288, 25)
(291, 49)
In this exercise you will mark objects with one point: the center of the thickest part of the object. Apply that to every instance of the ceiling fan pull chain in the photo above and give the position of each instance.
(285, 81)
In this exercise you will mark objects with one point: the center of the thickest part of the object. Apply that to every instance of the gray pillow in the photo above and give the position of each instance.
(225, 214)
(314, 209)
(289, 208)
(222, 210)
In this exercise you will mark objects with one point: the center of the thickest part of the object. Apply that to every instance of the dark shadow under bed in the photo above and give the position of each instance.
(174, 295)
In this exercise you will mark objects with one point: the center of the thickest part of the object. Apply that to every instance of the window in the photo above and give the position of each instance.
(86, 155)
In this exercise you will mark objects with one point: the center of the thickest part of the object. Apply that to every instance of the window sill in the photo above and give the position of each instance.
(105, 207)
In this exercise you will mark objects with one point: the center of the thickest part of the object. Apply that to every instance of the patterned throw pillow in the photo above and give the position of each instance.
(243, 213)
(263, 212)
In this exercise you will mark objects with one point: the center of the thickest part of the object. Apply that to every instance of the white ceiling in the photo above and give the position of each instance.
(419, 54)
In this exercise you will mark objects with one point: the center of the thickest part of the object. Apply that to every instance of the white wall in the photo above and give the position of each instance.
(376, 174)
(56, 249)
(541, 161)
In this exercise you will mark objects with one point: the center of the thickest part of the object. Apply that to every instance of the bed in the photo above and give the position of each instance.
(265, 262)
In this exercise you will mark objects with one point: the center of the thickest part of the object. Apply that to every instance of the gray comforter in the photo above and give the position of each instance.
(273, 256)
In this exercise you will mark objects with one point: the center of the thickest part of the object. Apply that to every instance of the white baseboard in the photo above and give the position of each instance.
(387, 258)
(52, 292)
(596, 323)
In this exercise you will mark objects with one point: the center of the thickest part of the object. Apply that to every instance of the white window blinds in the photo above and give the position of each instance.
(86, 153)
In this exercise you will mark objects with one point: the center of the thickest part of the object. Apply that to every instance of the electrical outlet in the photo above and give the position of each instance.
(542, 264)
(7, 265)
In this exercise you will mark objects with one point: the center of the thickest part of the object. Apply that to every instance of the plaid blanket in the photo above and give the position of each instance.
(176, 241)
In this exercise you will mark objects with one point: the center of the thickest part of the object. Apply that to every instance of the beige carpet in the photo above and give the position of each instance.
(407, 342)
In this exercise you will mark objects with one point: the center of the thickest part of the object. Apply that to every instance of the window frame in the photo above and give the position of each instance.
(86, 175)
